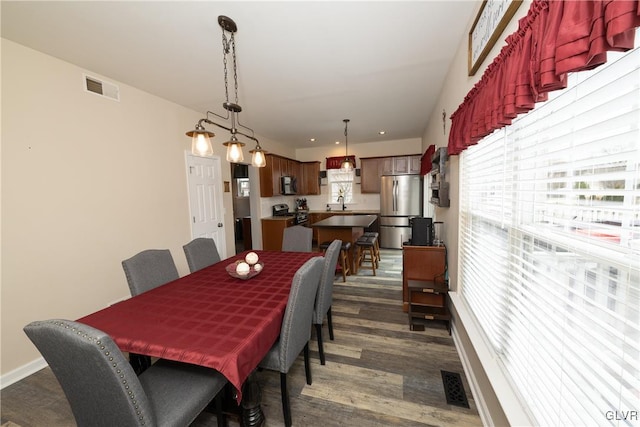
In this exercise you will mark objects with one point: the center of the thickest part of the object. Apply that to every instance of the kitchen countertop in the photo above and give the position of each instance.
(279, 218)
(346, 221)
(349, 212)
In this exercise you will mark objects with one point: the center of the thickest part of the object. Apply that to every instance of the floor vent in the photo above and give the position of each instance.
(454, 389)
(102, 88)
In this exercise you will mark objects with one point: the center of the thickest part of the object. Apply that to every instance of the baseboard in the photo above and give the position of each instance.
(476, 390)
(22, 372)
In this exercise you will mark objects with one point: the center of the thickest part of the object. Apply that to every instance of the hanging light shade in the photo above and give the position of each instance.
(234, 150)
(258, 158)
(201, 138)
(347, 165)
(201, 141)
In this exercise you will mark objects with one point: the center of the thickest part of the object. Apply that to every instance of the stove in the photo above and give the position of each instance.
(301, 215)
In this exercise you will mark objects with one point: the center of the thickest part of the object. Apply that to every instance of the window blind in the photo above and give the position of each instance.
(549, 255)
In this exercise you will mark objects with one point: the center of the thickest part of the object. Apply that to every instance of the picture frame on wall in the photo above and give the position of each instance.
(492, 18)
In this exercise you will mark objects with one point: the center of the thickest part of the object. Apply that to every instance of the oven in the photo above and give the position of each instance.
(302, 217)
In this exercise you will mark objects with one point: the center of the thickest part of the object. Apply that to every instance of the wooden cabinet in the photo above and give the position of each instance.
(428, 300)
(387, 166)
(401, 165)
(307, 176)
(315, 217)
(415, 162)
(270, 176)
(370, 171)
(309, 183)
(425, 287)
(422, 263)
(272, 232)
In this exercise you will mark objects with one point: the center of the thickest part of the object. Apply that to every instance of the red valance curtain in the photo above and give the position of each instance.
(336, 162)
(425, 160)
(555, 38)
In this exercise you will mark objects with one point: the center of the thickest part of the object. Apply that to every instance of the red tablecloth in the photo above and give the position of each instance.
(207, 318)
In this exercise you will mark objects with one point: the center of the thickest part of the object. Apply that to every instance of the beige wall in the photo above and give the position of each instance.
(456, 87)
(86, 182)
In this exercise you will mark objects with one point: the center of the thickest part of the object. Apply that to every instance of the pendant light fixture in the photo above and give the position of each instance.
(201, 138)
(347, 165)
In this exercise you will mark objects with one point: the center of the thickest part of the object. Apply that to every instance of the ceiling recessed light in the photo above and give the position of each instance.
(312, 140)
(381, 132)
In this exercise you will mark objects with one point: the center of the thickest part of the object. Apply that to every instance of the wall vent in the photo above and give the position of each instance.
(102, 88)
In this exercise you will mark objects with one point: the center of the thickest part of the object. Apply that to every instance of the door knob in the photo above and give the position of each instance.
(219, 224)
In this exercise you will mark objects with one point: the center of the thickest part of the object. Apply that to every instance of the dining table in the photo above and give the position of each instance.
(347, 228)
(210, 318)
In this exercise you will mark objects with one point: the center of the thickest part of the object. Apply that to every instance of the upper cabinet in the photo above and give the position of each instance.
(307, 175)
(401, 165)
(373, 167)
(309, 183)
(370, 171)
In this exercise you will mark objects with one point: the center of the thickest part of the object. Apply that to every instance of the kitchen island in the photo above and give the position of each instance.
(344, 227)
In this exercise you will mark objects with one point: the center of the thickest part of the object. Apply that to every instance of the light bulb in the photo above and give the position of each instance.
(258, 159)
(201, 145)
(234, 152)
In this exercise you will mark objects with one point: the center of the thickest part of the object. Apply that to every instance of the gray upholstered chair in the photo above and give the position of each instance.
(149, 269)
(145, 271)
(324, 295)
(200, 253)
(296, 329)
(102, 388)
(297, 239)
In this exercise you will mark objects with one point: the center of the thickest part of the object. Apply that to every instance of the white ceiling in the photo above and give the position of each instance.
(302, 66)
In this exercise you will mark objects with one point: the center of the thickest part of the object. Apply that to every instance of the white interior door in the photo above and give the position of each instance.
(205, 200)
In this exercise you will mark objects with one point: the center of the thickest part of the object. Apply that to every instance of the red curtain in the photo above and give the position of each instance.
(336, 162)
(555, 38)
(425, 160)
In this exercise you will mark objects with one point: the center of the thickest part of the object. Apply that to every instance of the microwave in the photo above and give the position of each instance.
(288, 185)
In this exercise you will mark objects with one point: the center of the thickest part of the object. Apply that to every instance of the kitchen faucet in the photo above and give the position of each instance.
(339, 199)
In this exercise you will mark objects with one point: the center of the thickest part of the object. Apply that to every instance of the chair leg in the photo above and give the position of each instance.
(307, 364)
(373, 260)
(286, 408)
(220, 417)
(320, 346)
(139, 362)
(330, 323)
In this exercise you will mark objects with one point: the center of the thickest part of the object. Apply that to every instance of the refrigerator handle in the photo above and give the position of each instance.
(395, 195)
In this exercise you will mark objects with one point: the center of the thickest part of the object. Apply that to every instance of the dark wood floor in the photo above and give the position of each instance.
(378, 372)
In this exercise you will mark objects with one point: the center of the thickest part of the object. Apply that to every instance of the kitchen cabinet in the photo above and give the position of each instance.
(370, 172)
(309, 182)
(307, 176)
(273, 230)
(270, 176)
(401, 165)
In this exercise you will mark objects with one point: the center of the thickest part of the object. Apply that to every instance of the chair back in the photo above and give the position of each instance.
(296, 325)
(149, 269)
(297, 239)
(324, 295)
(200, 253)
(99, 383)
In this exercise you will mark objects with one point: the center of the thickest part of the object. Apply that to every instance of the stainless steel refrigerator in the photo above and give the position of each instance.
(400, 200)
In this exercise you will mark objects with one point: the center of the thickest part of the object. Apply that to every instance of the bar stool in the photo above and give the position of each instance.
(343, 261)
(376, 246)
(366, 252)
